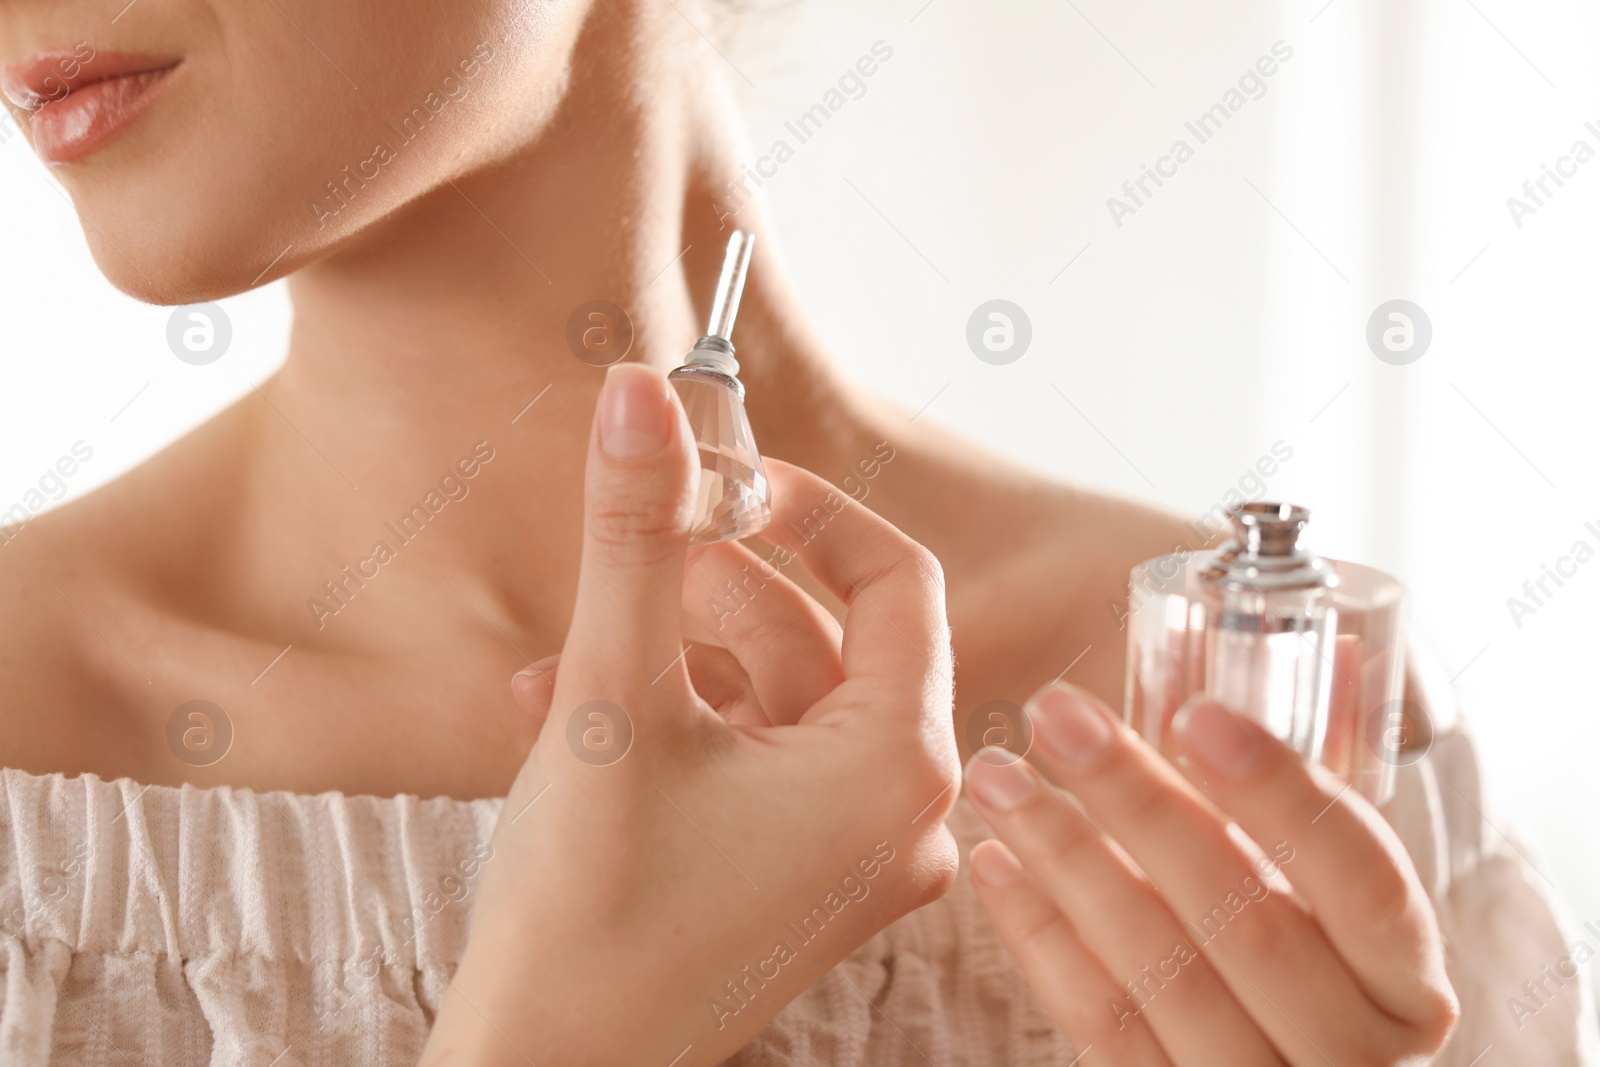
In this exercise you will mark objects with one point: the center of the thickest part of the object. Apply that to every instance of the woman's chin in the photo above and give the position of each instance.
(150, 283)
(187, 261)
(171, 278)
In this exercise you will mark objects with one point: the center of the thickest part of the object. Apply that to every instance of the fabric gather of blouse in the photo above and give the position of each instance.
(226, 927)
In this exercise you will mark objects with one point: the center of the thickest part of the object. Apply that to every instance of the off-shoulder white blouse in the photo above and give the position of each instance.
(175, 927)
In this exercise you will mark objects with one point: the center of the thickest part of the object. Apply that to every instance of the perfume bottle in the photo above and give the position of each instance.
(1310, 648)
(735, 498)
(1264, 655)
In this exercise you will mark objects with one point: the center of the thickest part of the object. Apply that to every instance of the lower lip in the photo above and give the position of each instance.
(86, 120)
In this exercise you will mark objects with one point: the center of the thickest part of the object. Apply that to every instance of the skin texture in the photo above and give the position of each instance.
(421, 330)
(809, 734)
(1159, 937)
(430, 312)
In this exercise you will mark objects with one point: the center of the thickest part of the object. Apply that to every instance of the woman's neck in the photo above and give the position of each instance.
(448, 324)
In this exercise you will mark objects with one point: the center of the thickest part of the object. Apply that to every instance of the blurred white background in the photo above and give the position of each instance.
(1229, 312)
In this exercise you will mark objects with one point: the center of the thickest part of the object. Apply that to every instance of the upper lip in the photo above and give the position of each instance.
(44, 78)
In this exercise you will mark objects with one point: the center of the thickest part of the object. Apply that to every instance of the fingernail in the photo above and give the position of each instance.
(634, 412)
(537, 679)
(1217, 739)
(998, 783)
(993, 864)
(540, 668)
(1071, 726)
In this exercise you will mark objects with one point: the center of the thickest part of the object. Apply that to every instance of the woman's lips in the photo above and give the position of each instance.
(79, 107)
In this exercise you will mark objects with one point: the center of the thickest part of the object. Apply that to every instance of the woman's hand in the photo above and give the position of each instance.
(665, 878)
(1155, 932)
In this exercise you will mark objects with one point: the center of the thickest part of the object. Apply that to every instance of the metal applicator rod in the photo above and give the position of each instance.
(714, 351)
(730, 287)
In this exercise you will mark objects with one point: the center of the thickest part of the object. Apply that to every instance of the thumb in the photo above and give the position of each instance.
(639, 499)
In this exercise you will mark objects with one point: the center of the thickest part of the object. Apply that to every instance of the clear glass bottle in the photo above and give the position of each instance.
(735, 498)
(1310, 648)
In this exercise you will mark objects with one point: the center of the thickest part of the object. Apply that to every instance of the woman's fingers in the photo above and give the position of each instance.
(1348, 864)
(776, 652)
(895, 630)
(721, 682)
(1278, 963)
(716, 676)
(638, 506)
(1072, 986)
(787, 644)
(1164, 978)
(534, 687)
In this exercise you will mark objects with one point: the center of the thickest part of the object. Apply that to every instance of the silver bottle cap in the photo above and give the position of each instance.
(1266, 552)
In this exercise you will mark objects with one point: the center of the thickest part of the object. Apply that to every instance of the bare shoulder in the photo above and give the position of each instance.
(51, 671)
(83, 585)
(1036, 569)
(983, 514)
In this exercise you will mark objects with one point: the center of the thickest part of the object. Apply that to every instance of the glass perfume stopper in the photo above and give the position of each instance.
(735, 498)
